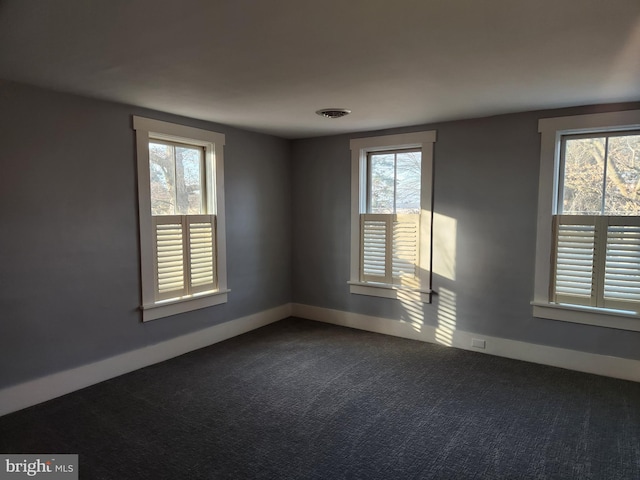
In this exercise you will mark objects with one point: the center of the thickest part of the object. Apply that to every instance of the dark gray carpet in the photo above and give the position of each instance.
(306, 400)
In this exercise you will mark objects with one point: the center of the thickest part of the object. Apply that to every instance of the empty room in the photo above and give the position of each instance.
(320, 240)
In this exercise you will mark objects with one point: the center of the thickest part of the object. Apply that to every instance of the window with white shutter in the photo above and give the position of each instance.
(391, 214)
(590, 197)
(180, 189)
(596, 251)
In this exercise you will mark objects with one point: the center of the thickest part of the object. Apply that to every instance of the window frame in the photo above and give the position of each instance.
(360, 150)
(213, 143)
(552, 131)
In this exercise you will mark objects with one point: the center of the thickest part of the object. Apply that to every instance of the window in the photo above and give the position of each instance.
(597, 228)
(391, 214)
(589, 220)
(180, 196)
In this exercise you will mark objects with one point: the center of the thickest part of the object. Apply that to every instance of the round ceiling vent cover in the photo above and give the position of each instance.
(333, 112)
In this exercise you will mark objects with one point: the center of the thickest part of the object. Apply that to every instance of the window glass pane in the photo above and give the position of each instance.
(381, 183)
(584, 160)
(408, 182)
(623, 176)
(189, 180)
(163, 181)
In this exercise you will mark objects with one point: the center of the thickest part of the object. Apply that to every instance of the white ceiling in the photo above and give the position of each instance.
(268, 65)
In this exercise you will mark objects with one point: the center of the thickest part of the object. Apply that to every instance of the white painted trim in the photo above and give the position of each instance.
(46, 388)
(552, 130)
(360, 147)
(213, 143)
(147, 263)
(221, 228)
(594, 122)
(616, 367)
(177, 132)
(386, 291)
(602, 317)
(155, 311)
(392, 142)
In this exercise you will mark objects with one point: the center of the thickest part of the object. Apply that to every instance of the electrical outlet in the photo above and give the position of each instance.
(478, 343)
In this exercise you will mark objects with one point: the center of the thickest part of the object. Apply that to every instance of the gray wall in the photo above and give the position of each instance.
(70, 275)
(486, 181)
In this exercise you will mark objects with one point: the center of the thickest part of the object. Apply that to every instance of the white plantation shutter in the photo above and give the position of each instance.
(574, 259)
(389, 248)
(184, 251)
(169, 254)
(622, 263)
(404, 262)
(202, 234)
(597, 261)
(374, 235)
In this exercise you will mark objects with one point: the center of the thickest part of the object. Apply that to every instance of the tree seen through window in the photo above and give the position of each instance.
(601, 175)
(394, 182)
(176, 173)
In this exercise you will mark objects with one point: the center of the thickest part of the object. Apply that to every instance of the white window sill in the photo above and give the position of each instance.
(601, 317)
(384, 290)
(174, 307)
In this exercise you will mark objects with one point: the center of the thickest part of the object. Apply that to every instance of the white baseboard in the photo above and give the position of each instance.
(616, 367)
(46, 388)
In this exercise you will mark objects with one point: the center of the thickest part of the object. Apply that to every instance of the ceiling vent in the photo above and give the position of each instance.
(333, 112)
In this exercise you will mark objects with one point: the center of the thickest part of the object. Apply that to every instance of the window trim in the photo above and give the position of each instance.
(552, 130)
(149, 129)
(360, 148)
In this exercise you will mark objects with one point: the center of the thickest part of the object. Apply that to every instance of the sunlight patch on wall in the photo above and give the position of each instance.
(446, 317)
(445, 231)
(413, 308)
